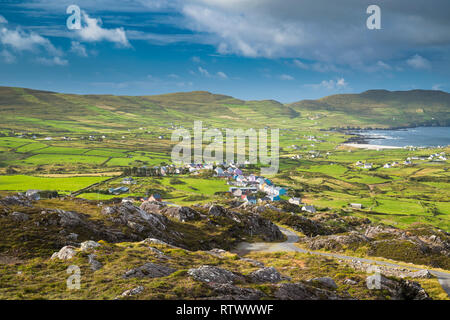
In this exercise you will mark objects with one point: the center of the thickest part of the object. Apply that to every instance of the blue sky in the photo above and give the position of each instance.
(250, 49)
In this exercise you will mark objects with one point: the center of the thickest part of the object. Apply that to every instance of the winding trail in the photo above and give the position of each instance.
(292, 238)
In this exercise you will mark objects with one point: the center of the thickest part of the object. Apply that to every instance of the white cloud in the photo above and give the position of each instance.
(300, 64)
(78, 49)
(196, 59)
(222, 75)
(384, 66)
(55, 61)
(19, 40)
(3, 20)
(334, 85)
(437, 87)
(418, 62)
(333, 34)
(203, 72)
(286, 77)
(92, 31)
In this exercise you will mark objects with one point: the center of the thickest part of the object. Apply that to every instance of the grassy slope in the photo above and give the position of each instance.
(54, 112)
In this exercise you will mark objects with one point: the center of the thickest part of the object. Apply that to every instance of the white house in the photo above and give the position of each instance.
(356, 205)
(309, 209)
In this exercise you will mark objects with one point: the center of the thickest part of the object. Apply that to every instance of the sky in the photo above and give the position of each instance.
(286, 50)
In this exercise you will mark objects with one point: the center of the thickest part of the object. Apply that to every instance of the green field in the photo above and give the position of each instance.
(23, 183)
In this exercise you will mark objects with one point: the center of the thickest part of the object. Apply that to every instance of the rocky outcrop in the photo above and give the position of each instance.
(388, 271)
(152, 225)
(66, 253)
(250, 223)
(325, 282)
(399, 289)
(182, 214)
(256, 225)
(133, 292)
(152, 206)
(17, 200)
(335, 242)
(89, 245)
(149, 270)
(211, 274)
(269, 274)
(20, 216)
(226, 291)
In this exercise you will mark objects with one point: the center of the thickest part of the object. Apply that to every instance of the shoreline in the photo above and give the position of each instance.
(369, 146)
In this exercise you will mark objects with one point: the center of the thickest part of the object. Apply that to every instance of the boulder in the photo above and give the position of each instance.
(152, 207)
(350, 282)
(16, 200)
(217, 211)
(256, 225)
(133, 292)
(269, 274)
(218, 253)
(211, 274)
(335, 242)
(399, 289)
(325, 281)
(70, 218)
(182, 214)
(66, 253)
(424, 274)
(253, 262)
(88, 245)
(149, 270)
(20, 216)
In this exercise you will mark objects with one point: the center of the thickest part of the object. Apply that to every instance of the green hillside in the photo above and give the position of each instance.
(49, 112)
(382, 108)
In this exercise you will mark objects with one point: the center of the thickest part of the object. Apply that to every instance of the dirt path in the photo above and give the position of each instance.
(289, 245)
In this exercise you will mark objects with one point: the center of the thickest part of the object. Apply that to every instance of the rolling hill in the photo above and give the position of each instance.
(33, 110)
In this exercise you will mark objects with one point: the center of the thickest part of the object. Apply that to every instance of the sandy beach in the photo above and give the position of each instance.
(369, 146)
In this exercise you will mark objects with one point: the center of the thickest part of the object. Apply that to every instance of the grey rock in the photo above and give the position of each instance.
(133, 292)
(325, 281)
(66, 253)
(149, 270)
(399, 289)
(152, 207)
(20, 216)
(219, 253)
(213, 274)
(253, 262)
(88, 245)
(269, 274)
(350, 282)
(72, 236)
(182, 214)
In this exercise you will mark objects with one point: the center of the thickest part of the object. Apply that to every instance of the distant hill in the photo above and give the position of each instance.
(28, 110)
(382, 108)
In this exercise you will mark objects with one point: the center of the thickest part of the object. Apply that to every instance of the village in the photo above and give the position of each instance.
(248, 188)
